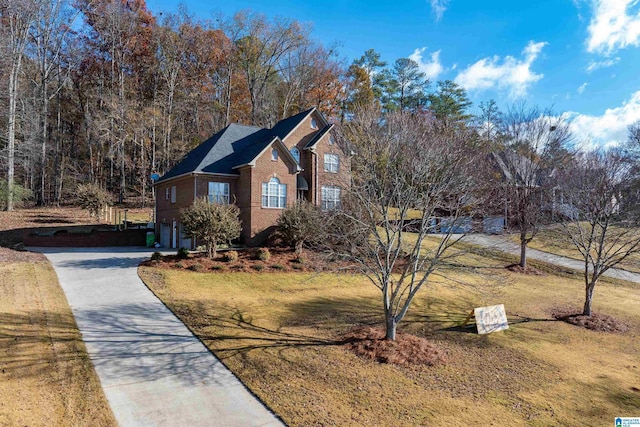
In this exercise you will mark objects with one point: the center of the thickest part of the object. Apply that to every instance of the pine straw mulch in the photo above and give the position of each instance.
(528, 270)
(280, 260)
(596, 322)
(369, 343)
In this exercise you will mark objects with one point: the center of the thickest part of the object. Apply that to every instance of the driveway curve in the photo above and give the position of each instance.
(503, 244)
(153, 370)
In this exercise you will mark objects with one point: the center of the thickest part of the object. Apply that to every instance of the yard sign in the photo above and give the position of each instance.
(491, 319)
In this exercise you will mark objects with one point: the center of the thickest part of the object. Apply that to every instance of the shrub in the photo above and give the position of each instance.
(183, 253)
(92, 198)
(212, 223)
(277, 267)
(262, 254)
(299, 259)
(230, 256)
(300, 223)
(196, 267)
(179, 264)
(216, 267)
(156, 256)
(20, 195)
(258, 267)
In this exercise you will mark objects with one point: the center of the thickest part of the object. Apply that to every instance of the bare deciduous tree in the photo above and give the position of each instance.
(17, 19)
(405, 164)
(604, 227)
(530, 136)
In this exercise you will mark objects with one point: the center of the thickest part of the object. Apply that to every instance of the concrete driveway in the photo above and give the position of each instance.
(154, 372)
(502, 243)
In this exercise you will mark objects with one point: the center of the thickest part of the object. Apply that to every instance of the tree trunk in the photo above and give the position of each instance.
(586, 311)
(523, 253)
(391, 327)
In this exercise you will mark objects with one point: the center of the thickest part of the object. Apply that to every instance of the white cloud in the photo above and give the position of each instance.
(595, 65)
(615, 25)
(582, 87)
(610, 128)
(432, 66)
(510, 74)
(439, 7)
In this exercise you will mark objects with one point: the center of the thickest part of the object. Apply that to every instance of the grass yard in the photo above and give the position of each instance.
(555, 241)
(46, 377)
(280, 333)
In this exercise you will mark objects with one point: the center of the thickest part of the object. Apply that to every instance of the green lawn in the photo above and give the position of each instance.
(280, 332)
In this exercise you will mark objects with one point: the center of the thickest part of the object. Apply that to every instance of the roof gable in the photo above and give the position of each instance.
(217, 154)
(238, 145)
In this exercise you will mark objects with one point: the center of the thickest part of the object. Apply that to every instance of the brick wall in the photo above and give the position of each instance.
(94, 240)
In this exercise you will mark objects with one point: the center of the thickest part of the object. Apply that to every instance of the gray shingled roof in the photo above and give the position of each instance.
(317, 136)
(221, 152)
(234, 146)
(284, 127)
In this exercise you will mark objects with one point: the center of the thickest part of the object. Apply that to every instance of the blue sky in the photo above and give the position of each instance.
(580, 57)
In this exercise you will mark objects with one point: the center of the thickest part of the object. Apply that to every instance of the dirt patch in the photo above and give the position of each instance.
(10, 255)
(516, 268)
(595, 322)
(369, 343)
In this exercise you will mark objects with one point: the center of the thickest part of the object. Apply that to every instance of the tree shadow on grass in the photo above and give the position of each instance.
(126, 343)
(240, 334)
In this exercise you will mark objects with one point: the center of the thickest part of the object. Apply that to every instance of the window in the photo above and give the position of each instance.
(219, 193)
(331, 162)
(274, 154)
(314, 123)
(296, 154)
(167, 193)
(330, 197)
(173, 194)
(332, 140)
(274, 194)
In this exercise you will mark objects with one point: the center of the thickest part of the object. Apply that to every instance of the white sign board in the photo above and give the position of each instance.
(491, 319)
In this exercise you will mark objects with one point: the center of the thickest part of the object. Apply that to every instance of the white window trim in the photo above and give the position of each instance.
(274, 194)
(330, 164)
(220, 198)
(295, 153)
(331, 197)
(274, 155)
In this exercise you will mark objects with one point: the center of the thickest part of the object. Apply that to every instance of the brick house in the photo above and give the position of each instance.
(261, 170)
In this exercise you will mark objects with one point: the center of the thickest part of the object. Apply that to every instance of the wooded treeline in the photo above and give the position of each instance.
(104, 91)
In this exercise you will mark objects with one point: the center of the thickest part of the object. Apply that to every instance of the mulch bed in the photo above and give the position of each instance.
(369, 343)
(595, 322)
(515, 268)
(280, 260)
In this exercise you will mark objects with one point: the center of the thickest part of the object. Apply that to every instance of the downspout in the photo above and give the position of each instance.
(195, 197)
(315, 171)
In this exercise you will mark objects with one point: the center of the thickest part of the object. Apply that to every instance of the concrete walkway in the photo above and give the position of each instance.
(154, 372)
(502, 243)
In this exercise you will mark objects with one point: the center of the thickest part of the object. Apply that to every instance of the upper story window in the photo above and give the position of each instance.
(296, 154)
(173, 194)
(332, 140)
(218, 193)
(314, 123)
(331, 163)
(274, 194)
(274, 154)
(330, 197)
(167, 193)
